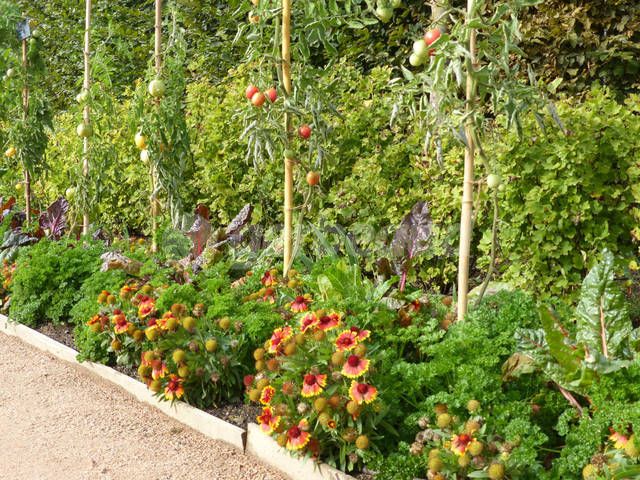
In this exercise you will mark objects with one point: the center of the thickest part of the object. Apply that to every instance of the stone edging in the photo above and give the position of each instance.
(252, 441)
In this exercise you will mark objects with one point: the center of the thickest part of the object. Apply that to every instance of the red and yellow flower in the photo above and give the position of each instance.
(310, 320)
(355, 366)
(269, 295)
(330, 321)
(174, 388)
(360, 333)
(159, 369)
(347, 340)
(146, 306)
(279, 338)
(332, 424)
(619, 440)
(268, 421)
(300, 303)
(269, 278)
(460, 443)
(312, 385)
(297, 436)
(120, 323)
(267, 395)
(362, 392)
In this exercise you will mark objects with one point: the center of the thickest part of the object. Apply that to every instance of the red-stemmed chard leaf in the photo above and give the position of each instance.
(54, 219)
(411, 239)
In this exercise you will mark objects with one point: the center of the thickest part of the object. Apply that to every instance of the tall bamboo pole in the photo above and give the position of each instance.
(158, 61)
(288, 163)
(467, 189)
(86, 113)
(25, 113)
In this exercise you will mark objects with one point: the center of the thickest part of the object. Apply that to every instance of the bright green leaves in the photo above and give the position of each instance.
(602, 317)
(575, 357)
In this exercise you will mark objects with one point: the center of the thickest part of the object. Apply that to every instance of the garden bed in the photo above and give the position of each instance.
(221, 423)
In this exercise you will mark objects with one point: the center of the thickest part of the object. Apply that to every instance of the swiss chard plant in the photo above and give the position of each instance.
(576, 358)
(411, 239)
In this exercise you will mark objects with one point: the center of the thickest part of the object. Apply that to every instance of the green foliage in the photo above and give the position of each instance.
(599, 345)
(48, 279)
(570, 196)
(584, 41)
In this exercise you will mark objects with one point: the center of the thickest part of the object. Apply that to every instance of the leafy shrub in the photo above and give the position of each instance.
(572, 195)
(48, 278)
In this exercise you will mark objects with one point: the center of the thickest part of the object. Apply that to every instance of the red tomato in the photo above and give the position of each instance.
(251, 91)
(431, 36)
(272, 94)
(304, 131)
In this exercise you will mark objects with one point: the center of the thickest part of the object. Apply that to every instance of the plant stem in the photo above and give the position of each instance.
(494, 242)
(466, 217)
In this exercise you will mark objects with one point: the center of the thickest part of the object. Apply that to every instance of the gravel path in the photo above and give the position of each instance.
(58, 422)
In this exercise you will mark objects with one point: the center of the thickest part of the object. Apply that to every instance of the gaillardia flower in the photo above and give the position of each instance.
(329, 321)
(355, 366)
(268, 421)
(301, 303)
(346, 340)
(279, 338)
(174, 388)
(360, 333)
(313, 384)
(310, 320)
(267, 394)
(459, 443)
(362, 392)
(159, 369)
(269, 295)
(146, 307)
(269, 278)
(297, 436)
(619, 440)
(120, 323)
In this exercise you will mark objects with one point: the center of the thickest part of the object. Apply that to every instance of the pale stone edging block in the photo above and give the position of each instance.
(195, 418)
(266, 449)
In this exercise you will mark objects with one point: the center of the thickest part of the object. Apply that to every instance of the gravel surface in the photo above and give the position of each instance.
(58, 422)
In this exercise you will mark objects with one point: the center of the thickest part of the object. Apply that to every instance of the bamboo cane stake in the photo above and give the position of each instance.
(158, 61)
(466, 217)
(86, 112)
(288, 163)
(25, 113)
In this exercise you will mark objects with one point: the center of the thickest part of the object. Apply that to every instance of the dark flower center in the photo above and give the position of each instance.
(294, 432)
(299, 299)
(363, 388)
(310, 379)
(353, 360)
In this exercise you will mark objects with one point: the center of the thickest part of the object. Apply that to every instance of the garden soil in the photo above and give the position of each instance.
(58, 422)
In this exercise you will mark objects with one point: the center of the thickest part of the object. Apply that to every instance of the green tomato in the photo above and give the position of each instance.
(156, 88)
(384, 14)
(416, 60)
(84, 130)
(493, 181)
(420, 48)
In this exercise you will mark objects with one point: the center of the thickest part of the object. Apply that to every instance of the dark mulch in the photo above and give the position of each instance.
(62, 333)
(236, 413)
